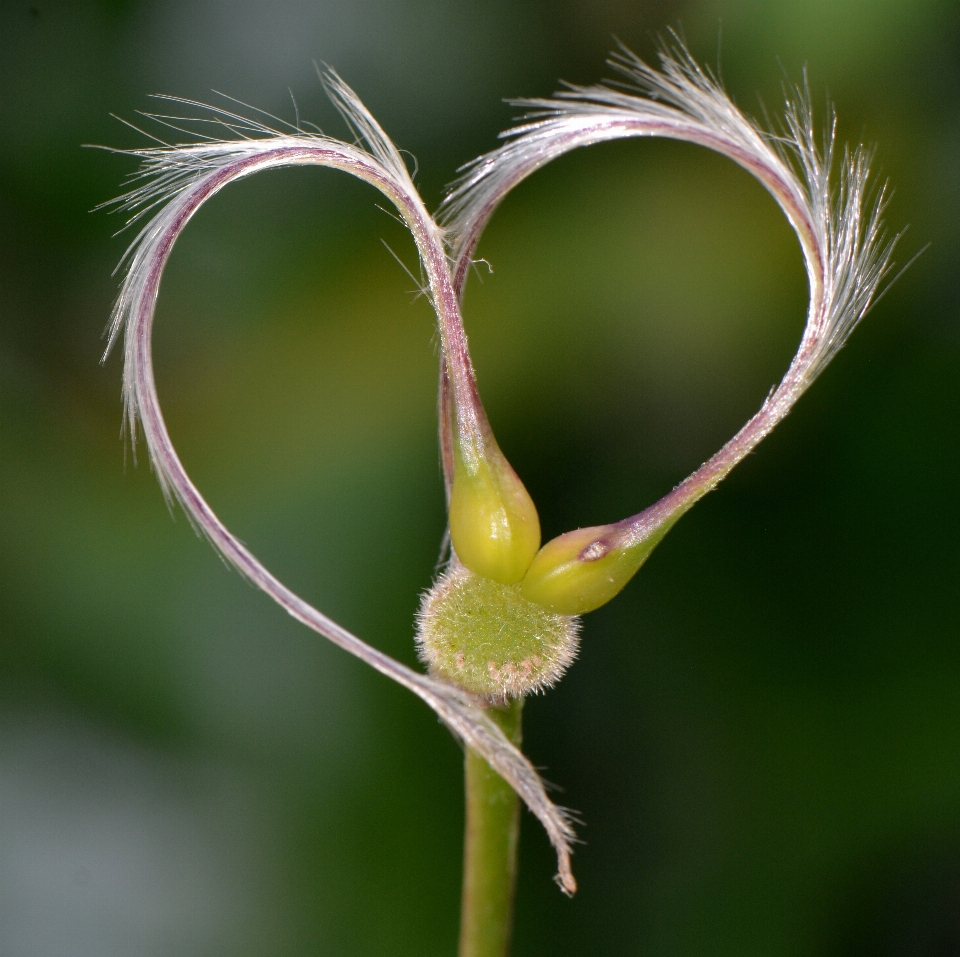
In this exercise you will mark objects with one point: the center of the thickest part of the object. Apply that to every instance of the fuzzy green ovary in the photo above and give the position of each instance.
(582, 570)
(487, 638)
(494, 524)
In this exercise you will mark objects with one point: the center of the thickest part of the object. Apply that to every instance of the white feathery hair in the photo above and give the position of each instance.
(172, 183)
(837, 220)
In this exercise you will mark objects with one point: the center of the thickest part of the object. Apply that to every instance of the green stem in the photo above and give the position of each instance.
(490, 849)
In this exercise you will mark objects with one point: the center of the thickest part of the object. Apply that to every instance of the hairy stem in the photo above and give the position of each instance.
(490, 848)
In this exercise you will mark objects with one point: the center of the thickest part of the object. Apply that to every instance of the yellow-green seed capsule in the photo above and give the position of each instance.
(582, 570)
(494, 524)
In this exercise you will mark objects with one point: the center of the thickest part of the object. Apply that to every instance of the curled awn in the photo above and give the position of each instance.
(176, 181)
(828, 200)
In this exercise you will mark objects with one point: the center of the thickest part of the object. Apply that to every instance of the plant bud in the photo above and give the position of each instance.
(582, 570)
(487, 638)
(493, 522)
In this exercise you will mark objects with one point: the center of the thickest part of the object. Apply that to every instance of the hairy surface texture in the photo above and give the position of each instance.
(488, 638)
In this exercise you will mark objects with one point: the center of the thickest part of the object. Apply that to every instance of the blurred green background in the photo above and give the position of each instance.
(762, 734)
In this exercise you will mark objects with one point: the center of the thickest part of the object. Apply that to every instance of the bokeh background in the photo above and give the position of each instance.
(762, 734)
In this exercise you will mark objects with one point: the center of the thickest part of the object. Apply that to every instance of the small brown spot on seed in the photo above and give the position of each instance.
(594, 551)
